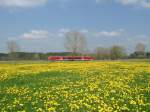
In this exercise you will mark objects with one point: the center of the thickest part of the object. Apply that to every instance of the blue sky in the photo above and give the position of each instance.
(40, 25)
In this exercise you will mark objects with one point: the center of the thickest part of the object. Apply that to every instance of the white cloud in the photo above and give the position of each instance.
(146, 4)
(35, 34)
(42, 34)
(108, 33)
(66, 30)
(115, 33)
(84, 31)
(139, 3)
(63, 31)
(22, 3)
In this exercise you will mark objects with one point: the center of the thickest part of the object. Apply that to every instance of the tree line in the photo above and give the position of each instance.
(118, 52)
(76, 45)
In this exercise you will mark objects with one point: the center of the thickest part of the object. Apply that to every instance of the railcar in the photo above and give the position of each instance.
(70, 58)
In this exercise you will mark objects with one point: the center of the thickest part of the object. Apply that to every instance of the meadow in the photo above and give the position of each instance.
(75, 87)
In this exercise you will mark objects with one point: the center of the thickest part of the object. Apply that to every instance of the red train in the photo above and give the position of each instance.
(70, 58)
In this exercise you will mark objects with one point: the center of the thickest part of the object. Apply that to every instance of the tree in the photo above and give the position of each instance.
(140, 47)
(102, 53)
(13, 48)
(36, 56)
(75, 42)
(139, 51)
(117, 52)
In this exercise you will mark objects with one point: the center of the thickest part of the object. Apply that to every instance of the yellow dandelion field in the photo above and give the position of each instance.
(75, 87)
